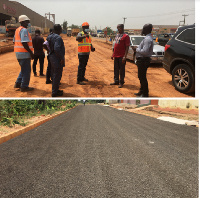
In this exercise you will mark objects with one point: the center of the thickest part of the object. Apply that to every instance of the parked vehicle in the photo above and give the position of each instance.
(75, 32)
(135, 40)
(69, 32)
(179, 59)
(162, 39)
(11, 25)
(101, 35)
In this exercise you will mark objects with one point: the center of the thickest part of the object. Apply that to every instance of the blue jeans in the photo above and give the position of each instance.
(25, 73)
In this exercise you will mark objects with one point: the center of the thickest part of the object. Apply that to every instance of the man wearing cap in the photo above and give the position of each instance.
(143, 54)
(57, 58)
(23, 49)
(84, 46)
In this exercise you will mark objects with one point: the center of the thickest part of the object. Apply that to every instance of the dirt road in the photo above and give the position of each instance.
(99, 72)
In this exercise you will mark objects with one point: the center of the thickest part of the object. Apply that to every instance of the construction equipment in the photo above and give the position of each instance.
(69, 32)
(75, 32)
(11, 26)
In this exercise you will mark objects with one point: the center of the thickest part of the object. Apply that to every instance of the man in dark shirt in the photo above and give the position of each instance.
(38, 52)
(57, 58)
(120, 51)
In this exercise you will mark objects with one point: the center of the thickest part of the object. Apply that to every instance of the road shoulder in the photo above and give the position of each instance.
(8, 133)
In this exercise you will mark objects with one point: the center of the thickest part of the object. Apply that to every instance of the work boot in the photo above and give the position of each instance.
(139, 93)
(17, 85)
(144, 96)
(115, 83)
(120, 85)
(48, 81)
(80, 83)
(85, 79)
(26, 89)
(59, 93)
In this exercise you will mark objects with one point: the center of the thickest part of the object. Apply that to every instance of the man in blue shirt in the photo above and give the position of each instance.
(143, 54)
(24, 52)
(57, 59)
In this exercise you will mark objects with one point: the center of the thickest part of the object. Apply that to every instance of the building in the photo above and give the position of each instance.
(14, 9)
(157, 29)
(182, 104)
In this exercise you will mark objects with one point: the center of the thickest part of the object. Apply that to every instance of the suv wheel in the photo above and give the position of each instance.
(183, 78)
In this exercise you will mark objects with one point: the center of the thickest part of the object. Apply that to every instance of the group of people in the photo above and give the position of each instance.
(24, 47)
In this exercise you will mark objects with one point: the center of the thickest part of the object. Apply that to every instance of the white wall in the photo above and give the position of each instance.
(184, 104)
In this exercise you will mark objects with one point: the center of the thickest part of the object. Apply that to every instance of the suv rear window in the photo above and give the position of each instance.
(187, 35)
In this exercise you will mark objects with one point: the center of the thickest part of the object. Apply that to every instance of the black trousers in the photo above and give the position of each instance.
(48, 74)
(83, 59)
(41, 60)
(119, 70)
(143, 64)
(56, 72)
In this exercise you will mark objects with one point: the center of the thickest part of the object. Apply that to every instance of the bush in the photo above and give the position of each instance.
(14, 111)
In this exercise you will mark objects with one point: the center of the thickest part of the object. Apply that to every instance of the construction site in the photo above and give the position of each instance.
(99, 71)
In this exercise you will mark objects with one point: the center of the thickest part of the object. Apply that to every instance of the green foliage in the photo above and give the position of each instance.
(75, 26)
(109, 30)
(14, 111)
(65, 25)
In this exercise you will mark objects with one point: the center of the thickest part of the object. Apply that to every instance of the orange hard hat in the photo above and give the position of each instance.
(85, 24)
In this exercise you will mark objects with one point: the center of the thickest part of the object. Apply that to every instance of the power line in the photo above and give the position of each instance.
(169, 13)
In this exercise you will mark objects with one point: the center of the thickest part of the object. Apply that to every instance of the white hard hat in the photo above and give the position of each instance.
(23, 18)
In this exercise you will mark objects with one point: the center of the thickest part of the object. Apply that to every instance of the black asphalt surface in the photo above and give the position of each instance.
(98, 152)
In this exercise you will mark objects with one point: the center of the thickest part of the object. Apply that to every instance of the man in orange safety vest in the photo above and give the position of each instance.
(84, 47)
(23, 49)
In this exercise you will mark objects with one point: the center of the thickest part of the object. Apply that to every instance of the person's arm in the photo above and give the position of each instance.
(145, 50)
(92, 48)
(127, 43)
(25, 44)
(45, 46)
(25, 39)
(126, 52)
(57, 46)
(80, 37)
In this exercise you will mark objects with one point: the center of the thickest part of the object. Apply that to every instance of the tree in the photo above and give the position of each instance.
(65, 25)
(109, 30)
(75, 26)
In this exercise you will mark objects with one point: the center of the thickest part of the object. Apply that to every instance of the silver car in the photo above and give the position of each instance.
(158, 50)
(135, 40)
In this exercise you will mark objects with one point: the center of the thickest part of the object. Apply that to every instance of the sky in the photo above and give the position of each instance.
(109, 13)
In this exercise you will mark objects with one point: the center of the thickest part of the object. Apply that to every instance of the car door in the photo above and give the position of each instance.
(130, 51)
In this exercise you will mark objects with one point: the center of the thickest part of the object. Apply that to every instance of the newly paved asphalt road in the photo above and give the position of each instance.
(99, 152)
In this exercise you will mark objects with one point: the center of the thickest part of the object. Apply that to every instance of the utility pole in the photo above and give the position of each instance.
(53, 15)
(124, 20)
(184, 15)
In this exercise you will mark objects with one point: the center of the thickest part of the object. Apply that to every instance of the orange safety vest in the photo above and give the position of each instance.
(18, 47)
(85, 45)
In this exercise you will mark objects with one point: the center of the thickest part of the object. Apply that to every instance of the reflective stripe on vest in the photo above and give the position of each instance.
(85, 45)
(18, 47)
